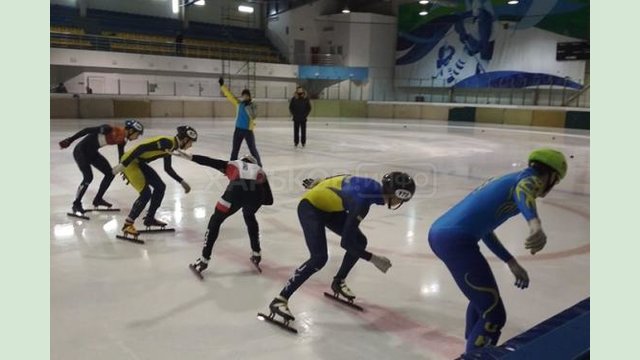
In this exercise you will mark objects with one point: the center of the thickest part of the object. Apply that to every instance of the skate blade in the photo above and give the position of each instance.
(343, 301)
(149, 230)
(281, 324)
(78, 216)
(103, 210)
(196, 272)
(130, 239)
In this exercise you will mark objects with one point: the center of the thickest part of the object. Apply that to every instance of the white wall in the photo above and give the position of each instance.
(136, 84)
(158, 63)
(302, 24)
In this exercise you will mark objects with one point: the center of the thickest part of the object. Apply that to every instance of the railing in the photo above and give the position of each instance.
(528, 94)
(113, 43)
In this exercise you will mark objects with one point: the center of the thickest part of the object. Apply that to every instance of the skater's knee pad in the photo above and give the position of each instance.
(318, 262)
(87, 178)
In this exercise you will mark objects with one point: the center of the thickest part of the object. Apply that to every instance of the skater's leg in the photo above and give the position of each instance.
(314, 233)
(228, 204)
(154, 180)
(251, 143)
(137, 179)
(349, 260)
(336, 225)
(474, 277)
(296, 130)
(249, 213)
(471, 319)
(103, 165)
(213, 229)
(238, 136)
(83, 161)
(303, 132)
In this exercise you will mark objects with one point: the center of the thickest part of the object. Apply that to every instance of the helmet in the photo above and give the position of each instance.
(399, 184)
(186, 131)
(249, 159)
(135, 125)
(552, 158)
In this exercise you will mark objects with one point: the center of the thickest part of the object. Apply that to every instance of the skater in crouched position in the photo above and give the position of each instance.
(248, 189)
(340, 203)
(135, 166)
(86, 154)
(454, 239)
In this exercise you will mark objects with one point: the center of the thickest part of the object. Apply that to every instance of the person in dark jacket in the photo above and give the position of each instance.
(300, 107)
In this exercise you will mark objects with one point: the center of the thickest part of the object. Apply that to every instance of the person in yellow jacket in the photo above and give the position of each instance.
(245, 122)
(135, 166)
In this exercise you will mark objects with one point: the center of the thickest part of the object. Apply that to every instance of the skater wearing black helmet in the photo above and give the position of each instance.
(340, 203)
(86, 154)
(135, 166)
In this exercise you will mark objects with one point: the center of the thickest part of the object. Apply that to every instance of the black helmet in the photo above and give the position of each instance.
(134, 124)
(249, 159)
(186, 131)
(399, 184)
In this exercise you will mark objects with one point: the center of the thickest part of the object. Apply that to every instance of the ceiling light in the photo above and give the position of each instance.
(200, 3)
(423, 13)
(245, 9)
(423, 2)
(346, 10)
(513, 2)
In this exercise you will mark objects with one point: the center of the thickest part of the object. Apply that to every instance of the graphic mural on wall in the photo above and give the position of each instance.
(484, 43)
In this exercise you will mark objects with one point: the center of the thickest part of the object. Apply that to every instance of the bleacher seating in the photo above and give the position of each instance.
(108, 30)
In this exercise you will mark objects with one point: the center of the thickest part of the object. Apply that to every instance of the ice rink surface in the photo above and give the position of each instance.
(117, 300)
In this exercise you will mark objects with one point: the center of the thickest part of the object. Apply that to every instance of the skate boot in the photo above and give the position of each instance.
(129, 230)
(255, 260)
(77, 208)
(280, 306)
(200, 265)
(149, 222)
(339, 287)
(101, 202)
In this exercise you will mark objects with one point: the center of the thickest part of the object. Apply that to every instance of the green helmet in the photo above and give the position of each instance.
(551, 158)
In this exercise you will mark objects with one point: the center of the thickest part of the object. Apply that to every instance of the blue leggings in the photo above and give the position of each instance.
(314, 222)
(485, 314)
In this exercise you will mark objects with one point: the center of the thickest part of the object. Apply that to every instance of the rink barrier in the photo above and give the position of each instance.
(563, 336)
(109, 106)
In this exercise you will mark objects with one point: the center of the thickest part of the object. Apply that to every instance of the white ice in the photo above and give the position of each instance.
(116, 300)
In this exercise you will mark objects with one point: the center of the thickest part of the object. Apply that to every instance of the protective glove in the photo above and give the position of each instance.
(382, 263)
(221, 81)
(522, 278)
(185, 186)
(537, 239)
(64, 143)
(181, 154)
(117, 169)
(309, 183)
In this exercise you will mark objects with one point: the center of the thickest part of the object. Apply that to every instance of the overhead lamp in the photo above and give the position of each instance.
(346, 10)
(423, 2)
(423, 13)
(513, 2)
(245, 9)
(199, 3)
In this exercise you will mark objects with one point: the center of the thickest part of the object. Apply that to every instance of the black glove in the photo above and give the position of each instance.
(64, 143)
(221, 81)
(309, 183)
